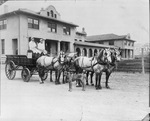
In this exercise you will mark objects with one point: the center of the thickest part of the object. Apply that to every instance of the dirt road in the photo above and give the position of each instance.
(127, 100)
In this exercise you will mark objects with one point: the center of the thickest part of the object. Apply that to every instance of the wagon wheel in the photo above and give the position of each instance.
(25, 74)
(45, 76)
(10, 70)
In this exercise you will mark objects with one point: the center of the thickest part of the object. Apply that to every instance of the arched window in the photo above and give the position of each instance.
(52, 13)
(90, 52)
(95, 52)
(84, 52)
(78, 51)
(55, 16)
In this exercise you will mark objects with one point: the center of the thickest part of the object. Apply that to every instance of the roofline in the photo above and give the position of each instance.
(81, 33)
(19, 11)
(109, 39)
(94, 45)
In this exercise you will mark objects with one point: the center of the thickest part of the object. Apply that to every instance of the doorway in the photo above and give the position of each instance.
(15, 46)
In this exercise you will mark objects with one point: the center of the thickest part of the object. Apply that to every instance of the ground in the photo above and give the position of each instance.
(127, 100)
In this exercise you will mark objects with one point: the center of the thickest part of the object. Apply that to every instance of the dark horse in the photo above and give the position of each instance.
(108, 69)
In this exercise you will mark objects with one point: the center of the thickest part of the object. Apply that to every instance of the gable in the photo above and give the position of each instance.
(51, 12)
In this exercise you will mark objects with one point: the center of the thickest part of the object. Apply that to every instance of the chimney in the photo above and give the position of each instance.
(5, 9)
(83, 30)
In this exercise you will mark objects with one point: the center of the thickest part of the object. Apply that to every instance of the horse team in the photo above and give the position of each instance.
(79, 68)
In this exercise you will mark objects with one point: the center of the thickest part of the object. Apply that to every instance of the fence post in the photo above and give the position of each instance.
(143, 69)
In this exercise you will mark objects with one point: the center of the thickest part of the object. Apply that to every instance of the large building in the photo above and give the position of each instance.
(124, 42)
(17, 27)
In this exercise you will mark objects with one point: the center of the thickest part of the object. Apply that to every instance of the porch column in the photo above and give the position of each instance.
(58, 47)
(126, 53)
(71, 47)
(123, 53)
(129, 53)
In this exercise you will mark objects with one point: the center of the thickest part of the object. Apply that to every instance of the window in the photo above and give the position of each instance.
(111, 42)
(33, 23)
(55, 16)
(47, 13)
(129, 44)
(66, 30)
(101, 43)
(2, 46)
(125, 42)
(3, 24)
(52, 27)
(52, 13)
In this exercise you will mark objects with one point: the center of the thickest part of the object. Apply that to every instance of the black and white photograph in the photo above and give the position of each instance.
(74, 60)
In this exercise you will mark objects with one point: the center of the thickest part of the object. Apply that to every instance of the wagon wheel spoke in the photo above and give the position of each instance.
(10, 70)
(25, 74)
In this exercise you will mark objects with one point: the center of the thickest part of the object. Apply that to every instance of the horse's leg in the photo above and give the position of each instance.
(99, 82)
(96, 79)
(41, 74)
(83, 79)
(58, 77)
(87, 74)
(51, 74)
(92, 78)
(107, 77)
(69, 78)
(64, 77)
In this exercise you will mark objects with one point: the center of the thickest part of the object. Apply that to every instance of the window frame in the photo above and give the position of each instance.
(66, 30)
(52, 27)
(32, 24)
(3, 24)
(111, 42)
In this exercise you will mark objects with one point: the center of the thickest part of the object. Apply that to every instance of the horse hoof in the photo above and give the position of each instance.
(83, 89)
(51, 80)
(96, 88)
(70, 90)
(92, 84)
(87, 84)
(78, 86)
(99, 87)
(107, 87)
(57, 83)
(41, 82)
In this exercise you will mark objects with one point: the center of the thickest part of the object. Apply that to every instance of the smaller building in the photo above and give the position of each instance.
(124, 42)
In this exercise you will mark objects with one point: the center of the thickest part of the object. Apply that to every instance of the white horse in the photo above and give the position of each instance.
(45, 63)
(115, 57)
(95, 64)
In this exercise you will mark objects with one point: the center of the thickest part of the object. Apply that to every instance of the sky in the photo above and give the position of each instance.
(119, 17)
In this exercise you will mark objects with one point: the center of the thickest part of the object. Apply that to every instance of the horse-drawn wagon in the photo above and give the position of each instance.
(21, 62)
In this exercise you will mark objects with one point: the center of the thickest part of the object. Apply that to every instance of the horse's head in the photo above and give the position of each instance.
(116, 54)
(105, 56)
(71, 56)
(61, 57)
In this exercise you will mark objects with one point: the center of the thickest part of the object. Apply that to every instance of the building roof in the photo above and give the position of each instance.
(82, 33)
(106, 37)
(93, 44)
(26, 11)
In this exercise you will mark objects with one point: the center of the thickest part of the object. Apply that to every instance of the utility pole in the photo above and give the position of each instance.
(143, 69)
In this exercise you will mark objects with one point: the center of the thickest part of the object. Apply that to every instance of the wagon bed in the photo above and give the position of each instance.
(14, 62)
